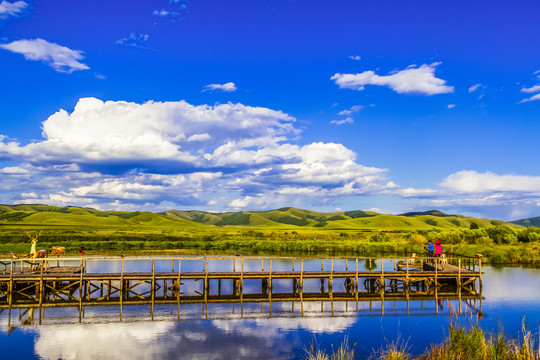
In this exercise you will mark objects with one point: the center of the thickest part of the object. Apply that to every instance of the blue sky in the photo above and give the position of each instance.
(257, 104)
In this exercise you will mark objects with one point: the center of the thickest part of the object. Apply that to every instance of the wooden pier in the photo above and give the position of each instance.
(181, 281)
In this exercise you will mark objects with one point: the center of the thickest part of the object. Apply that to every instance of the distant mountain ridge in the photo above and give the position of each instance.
(533, 221)
(279, 219)
(429, 212)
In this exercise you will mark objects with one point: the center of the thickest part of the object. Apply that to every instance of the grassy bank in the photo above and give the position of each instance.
(499, 244)
(462, 343)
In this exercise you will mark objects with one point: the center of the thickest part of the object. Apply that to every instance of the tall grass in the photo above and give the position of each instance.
(397, 349)
(462, 343)
(472, 343)
(343, 352)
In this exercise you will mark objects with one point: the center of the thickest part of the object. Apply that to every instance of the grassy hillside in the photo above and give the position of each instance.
(292, 218)
(534, 221)
(43, 215)
(279, 231)
(287, 218)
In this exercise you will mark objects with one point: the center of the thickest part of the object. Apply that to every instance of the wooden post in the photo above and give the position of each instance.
(436, 293)
(293, 264)
(153, 289)
(356, 286)
(459, 276)
(206, 288)
(80, 291)
(407, 276)
(178, 294)
(270, 279)
(302, 288)
(206, 285)
(109, 289)
(242, 290)
(383, 287)
(382, 275)
(346, 265)
(121, 286)
(41, 287)
(436, 267)
(270, 290)
(322, 267)
(480, 273)
(165, 289)
(331, 278)
(459, 297)
(11, 279)
(302, 275)
(407, 295)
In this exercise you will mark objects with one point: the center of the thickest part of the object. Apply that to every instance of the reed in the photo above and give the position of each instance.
(343, 352)
(462, 343)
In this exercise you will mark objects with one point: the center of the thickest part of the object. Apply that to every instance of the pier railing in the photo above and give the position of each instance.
(158, 280)
(236, 264)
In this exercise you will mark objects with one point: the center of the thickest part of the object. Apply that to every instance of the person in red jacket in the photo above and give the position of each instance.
(438, 250)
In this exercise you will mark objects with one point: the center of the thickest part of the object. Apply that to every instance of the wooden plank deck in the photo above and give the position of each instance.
(60, 286)
(56, 270)
(73, 273)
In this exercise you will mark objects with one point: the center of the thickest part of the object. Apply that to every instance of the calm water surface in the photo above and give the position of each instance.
(509, 296)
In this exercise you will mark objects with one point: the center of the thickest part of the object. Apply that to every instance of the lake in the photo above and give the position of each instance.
(252, 329)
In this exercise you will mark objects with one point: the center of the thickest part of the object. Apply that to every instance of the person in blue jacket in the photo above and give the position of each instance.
(430, 249)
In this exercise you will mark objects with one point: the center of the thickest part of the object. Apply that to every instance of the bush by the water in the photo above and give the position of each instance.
(498, 244)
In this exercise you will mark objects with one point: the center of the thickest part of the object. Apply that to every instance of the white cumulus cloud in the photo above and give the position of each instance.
(412, 80)
(165, 13)
(532, 98)
(227, 87)
(122, 155)
(60, 58)
(474, 87)
(12, 9)
(480, 193)
(353, 109)
(134, 40)
(118, 132)
(535, 89)
(468, 181)
(348, 120)
(532, 89)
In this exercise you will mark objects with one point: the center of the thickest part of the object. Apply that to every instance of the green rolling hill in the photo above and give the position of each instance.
(534, 221)
(280, 219)
(74, 216)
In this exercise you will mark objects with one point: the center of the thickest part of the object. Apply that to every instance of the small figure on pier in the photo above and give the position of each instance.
(58, 250)
(81, 250)
(438, 251)
(429, 249)
(412, 259)
(35, 254)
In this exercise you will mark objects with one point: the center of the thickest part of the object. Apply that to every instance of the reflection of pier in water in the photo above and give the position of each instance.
(295, 287)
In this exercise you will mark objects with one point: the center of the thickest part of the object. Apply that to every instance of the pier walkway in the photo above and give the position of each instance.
(124, 281)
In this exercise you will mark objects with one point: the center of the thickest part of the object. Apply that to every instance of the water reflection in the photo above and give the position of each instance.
(242, 330)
